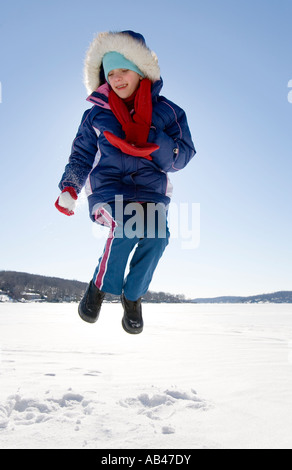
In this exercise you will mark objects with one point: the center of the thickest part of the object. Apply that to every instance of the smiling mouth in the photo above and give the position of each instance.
(120, 87)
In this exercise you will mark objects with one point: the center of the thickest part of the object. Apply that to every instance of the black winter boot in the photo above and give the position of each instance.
(132, 321)
(90, 304)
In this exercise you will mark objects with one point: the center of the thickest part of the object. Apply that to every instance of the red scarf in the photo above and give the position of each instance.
(129, 102)
(136, 127)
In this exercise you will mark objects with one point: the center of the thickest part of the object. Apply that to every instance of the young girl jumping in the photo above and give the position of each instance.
(125, 146)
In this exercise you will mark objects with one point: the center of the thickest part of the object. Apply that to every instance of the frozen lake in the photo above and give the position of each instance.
(199, 376)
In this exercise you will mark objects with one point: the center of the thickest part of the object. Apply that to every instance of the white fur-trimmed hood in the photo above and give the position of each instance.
(125, 43)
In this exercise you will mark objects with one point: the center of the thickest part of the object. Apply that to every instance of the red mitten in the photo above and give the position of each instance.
(131, 149)
(66, 202)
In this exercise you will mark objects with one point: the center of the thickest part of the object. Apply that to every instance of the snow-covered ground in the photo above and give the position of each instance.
(199, 376)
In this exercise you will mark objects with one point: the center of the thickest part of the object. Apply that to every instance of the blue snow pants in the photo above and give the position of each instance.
(139, 226)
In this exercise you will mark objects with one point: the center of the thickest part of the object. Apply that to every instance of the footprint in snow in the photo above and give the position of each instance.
(21, 410)
(92, 373)
(164, 405)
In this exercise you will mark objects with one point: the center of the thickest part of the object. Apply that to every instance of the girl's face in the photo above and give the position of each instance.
(124, 82)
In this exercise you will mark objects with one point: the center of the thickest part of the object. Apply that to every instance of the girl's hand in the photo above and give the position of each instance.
(66, 202)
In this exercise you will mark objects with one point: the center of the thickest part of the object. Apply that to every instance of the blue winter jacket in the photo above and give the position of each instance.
(106, 171)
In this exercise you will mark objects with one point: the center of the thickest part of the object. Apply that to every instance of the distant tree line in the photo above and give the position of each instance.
(21, 286)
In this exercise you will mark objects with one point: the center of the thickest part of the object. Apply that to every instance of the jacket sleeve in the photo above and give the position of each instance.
(84, 149)
(171, 132)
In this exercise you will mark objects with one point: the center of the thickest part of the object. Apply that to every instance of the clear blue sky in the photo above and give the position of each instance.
(228, 64)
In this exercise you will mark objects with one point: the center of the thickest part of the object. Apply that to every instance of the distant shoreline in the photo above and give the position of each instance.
(25, 287)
